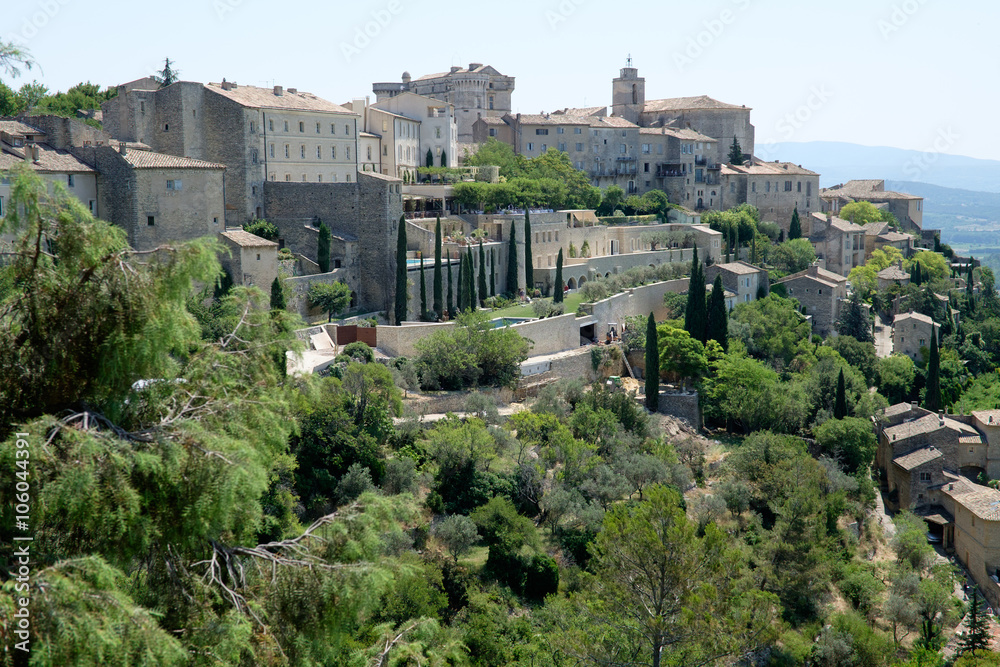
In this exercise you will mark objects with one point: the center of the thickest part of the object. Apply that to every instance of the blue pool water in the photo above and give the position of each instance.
(507, 321)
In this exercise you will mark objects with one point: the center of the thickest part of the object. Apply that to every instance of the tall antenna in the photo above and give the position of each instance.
(628, 63)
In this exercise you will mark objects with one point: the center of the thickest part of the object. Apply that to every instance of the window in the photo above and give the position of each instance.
(333, 152)
(647, 148)
(92, 203)
(491, 102)
(562, 147)
(577, 130)
(348, 152)
(270, 124)
(142, 107)
(799, 184)
(150, 221)
(579, 147)
(271, 150)
(215, 221)
(317, 128)
(437, 132)
(347, 130)
(623, 149)
(923, 341)
(925, 477)
(334, 178)
(531, 146)
(768, 186)
(645, 167)
(286, 126)
(286, 151)
(560, 130)
(253, 156)
(175, 185)
(333, 129)
(288, 178)
(302, 126)
(302, 151)
(69, 180)
(545, 147)
(258, 257)
(319, 179)
(348, 178)
(166, 128)
(304, 178)
(319, 152)
(369, 152)
(251, 127)
(493, 132)
(541, 131)
(788, 186)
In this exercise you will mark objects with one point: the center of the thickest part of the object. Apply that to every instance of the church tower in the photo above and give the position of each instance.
(628, 94)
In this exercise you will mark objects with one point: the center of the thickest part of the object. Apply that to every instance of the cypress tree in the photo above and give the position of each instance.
(718, 318)
(444, 159)
(493, 272)
(470, 278)
(438, 278)
(401, 287)
(915, 276)
(840, 404)
(969, 293)
(795, 228)
(429, 162)
(463, 293)
(695, 314)
(423, 292)
(932, 396)
(482, 272)
(323, 248)
(557, 296)
(451, 302)
(529, 262)
(277, 295)
(652, 366)
(512, 263)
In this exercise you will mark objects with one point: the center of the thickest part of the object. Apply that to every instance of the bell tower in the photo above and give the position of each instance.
(628, 93)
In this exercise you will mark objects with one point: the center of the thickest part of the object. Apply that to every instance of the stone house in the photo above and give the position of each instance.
(28, 145)
(821, 292)
(679, 162)
(260, 134)
(839, 244)
(740, 278)
(892, 275)
(439, 128)
(912, 332)
(478, 91)
(251, 260)
(777, 189)
(908, 209)
(491, 127)
(399, 138)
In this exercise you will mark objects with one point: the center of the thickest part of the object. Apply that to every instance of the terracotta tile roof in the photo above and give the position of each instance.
(919, 317)
(864, 189)
(610, 121)
(685, 103)
(817, 272)
(768, 169)
(927, 424)
(246, 240)
(381, 177)
(461, 70)
(918, 458)
(49, 160)
(264, 98)
(585, 111)
(893, 273)
(894, 237)
(17, 128)
(875, 228)
(971, 440)
(369, 135)
(552, 119)
(493, 120)
(150, 160)
(685, 133)
(988, 417)
(897, 409)
(805, 276)
(741, 268)
(982, 501)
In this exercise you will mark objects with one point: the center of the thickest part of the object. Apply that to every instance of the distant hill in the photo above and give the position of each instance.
(963, 216)
(838, 162)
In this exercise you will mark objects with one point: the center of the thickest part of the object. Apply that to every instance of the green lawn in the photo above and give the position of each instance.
(572, 302)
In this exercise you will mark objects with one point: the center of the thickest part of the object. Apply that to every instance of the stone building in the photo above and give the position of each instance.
(156, 198)
(479, 91)
(367, 210)
(710, 117)
(742, 279)
(26, 144)
(399, 138)
(438, 126)
(839, 244)
(892, 275)
(908, 209)
(260, 134)
(679, 162)
(912, 332)
(821, 292)
(775, 188)
(251, 260)
(489, 127)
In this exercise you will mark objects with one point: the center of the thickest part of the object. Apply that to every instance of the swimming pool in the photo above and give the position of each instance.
(508, 321)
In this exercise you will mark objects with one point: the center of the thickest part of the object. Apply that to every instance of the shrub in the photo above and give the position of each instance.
(359, 352)
(262, 228)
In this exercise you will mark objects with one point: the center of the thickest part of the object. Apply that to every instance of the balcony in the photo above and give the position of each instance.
(625, 158)
(701, 161)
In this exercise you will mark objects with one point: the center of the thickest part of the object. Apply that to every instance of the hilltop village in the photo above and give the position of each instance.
(479, 345)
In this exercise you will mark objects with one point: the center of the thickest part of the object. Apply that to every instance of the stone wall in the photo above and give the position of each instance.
(298, 290)
(401, 341)
(681, 405)
(63, 133)
(637, 301)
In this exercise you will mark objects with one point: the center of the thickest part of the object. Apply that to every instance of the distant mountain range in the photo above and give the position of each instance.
(961, 194)
(839, 162)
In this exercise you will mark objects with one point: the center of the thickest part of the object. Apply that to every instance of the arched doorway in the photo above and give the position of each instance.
(572, 283)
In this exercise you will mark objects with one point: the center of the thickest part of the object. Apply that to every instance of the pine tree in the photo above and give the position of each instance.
(277, 295)
(482, 272)
(529, 262)
(735, 152)
(493, 272)
(795, 228)
(167, 75)
(840, 404)
(855, 321)
(450, 305)
(323, 248)
(512, 263)
(932, 395)
(438, 277)
(402, 291)
(557, 296)
(977, 635)
(423, 292)
(695, 314)
(718, 318)
(470, 279)
(652, 365)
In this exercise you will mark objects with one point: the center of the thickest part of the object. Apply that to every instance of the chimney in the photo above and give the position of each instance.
(473, 66)
(277, 91)
(455, 69)
(226, 85)
(28, 153)
(122, 148)
(292, 91)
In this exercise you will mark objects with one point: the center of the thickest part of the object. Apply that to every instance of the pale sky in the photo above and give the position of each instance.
(916, 74)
